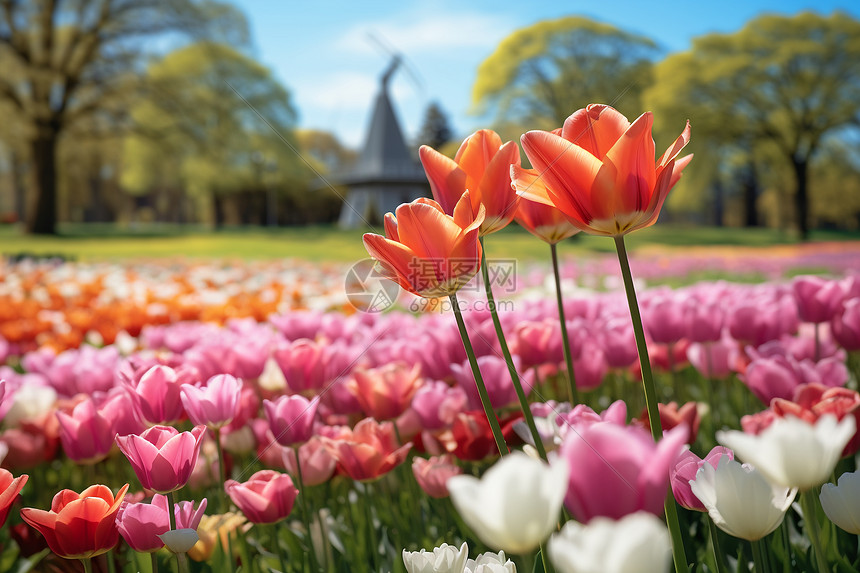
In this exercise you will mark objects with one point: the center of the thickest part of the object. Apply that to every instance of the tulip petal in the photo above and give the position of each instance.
(496, 193)
(633, 159)
(447, 180)
(398, 262)
(429, 233)
(595, 128)
(530, 185)
(569, 172)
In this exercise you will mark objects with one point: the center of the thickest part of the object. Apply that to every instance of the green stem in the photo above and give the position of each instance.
(374, 541)
(110, 564)
(715, 545)
(88, 565)
(500, 334)
(547, 565)
(182, 560)
(479, 381)
(305, 512)
(153, 561)
(276, 546)
(808, 502)
(786, 544)
(759, 558)
(568, 359)
(222, 474)
(171, 517)
(678, 554)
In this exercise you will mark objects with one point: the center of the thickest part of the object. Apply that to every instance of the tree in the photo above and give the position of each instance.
(435, 131)
(541, 74)
(779, 87)
(69, 61)
(202, 138)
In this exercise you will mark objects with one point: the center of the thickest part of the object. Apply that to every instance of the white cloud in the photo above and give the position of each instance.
(416, 33)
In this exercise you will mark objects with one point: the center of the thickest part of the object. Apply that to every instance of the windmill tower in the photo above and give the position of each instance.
(386, 174)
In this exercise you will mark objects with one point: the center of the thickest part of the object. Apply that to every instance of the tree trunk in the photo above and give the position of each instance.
(750, 193)
(801, 196)
(43, 219)
(719, 203)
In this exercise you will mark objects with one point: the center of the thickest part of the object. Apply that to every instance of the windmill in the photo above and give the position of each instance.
(386, 173)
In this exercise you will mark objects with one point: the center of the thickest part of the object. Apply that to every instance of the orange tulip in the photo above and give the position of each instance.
(427, 252)
(483, 167)
(543, 221)
(79, 526)
(600, 171)
(9, 488)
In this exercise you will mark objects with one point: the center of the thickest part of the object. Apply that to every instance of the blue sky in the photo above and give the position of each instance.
(322, 52)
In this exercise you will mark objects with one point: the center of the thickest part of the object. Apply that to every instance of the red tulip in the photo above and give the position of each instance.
(483, 167)
(79, 526)
(369, 452)
(385, 392)
(601, 172)
(427, 252)
(546, 222)
(9, 489)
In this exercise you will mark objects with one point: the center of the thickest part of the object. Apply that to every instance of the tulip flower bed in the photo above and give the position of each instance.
(267, 429)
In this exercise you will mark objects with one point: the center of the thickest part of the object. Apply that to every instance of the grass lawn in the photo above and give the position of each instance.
(105, 242)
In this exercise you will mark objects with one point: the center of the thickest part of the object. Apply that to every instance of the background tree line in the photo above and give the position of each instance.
(125, 110)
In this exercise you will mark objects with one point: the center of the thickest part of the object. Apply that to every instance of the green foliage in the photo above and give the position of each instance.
(197, 133)
(541, 74)
(774, 92)
(435, 131)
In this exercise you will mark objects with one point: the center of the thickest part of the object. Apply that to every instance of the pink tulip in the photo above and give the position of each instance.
(317, 463)
(619, 344)
(291, 418)
(591, 367)
(117, 406)
(141, 524)
(385, 392)
(497, 378)
(297, 324)
(846, 325)
(778, 376)
(436, 404)
(162, 456)
(703, 320)
(214, 404)
(818, 299)
(713, 359)
(432, 474)
(539, 343)
(267, 497)
(663, 317)
(304, 364)
(617, 470)
(156, 394)
(86, 435)
(684, 471)
(761, 317)
(370, 451)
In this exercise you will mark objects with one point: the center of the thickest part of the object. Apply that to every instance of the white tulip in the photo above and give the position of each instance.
(636, 543)
(841, 502)
(444, 559)
(515, 505)
(490, 562)
(30, 402)
(791, 452)
(740, 500)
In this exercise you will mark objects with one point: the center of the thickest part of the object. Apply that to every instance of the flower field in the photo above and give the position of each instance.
(251, 417)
